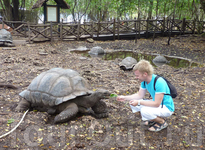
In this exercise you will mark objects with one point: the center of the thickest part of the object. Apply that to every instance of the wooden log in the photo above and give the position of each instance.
(16, 29)
(6, 48)
(40, 25)
(41, 39)
(29, 32)
(114, 30)
(8, 86)
(40, 33)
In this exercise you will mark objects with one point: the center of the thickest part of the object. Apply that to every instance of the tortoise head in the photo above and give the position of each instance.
(102, 93)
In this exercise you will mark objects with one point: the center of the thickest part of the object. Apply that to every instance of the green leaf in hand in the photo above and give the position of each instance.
(113, 95)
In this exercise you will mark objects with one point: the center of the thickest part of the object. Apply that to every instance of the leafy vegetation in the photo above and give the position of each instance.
(100, 10)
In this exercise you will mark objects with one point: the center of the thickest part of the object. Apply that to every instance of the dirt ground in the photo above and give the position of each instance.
(122, 129)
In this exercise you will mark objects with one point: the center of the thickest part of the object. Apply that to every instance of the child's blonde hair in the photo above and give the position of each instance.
(144, 66)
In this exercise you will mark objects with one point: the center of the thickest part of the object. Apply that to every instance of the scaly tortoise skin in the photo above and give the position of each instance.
(65, 93)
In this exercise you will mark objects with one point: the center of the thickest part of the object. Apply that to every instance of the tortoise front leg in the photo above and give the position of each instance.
(23, 105)
(68, 113)
(100, 110)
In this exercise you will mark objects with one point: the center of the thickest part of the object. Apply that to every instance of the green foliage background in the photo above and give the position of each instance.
(100, 10)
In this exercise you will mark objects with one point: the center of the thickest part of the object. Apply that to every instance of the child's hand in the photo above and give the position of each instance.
(121, 98)
(133, 102)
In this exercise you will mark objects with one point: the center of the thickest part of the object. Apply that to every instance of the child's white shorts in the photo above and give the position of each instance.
(150, 113)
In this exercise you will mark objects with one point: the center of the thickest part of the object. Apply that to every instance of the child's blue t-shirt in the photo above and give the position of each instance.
(161, 87)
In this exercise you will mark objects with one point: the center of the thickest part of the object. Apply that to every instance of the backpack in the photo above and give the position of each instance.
(173, 91)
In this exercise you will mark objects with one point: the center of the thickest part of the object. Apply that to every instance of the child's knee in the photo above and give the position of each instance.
(145, 111)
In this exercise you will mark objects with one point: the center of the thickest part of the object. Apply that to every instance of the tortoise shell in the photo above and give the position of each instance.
(55, 86)
(128, 63)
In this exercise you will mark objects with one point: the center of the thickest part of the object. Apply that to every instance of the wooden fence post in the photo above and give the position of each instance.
(139, 21)
(84, 23)
(98, 32)
(61, 30)
(114, 29)
(3, 23)
(92, 25)
(29, 33)
(78, 31)
(118, 28)
(163, 26)
(194, 26)
(183, 25)
(24, 30)
(147, 28)
(168, 25)
(51, 31)
(135, 25)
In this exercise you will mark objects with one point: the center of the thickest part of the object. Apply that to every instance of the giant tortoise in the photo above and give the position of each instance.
(5, 36)
(160, 60)
(128, 63)
(65, 93)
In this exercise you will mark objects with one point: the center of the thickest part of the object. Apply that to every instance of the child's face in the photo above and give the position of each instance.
(140, 76)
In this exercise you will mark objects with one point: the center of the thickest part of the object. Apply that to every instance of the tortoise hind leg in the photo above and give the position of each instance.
(68, 113)
(23, 105)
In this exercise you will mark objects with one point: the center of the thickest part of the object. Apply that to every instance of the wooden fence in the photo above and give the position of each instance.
(115, 29)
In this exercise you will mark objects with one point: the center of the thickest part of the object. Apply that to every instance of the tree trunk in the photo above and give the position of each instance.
(7, 9)
(139, 11)
(203, 4)
(171, 24)
(156, 19)
(15, 10)
(150, 9)
(165, 9)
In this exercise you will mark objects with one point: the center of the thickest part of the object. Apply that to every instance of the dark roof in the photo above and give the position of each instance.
(61, 3)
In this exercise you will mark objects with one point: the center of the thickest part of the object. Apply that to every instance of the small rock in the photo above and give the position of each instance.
(42, 53)
(82, 58)
(81, 48)
(90, 40)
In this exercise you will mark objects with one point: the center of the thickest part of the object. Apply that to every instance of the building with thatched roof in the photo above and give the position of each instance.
(51, 12)
(61, 3)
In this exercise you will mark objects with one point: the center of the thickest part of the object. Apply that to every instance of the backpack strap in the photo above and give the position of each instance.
(155, 80)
